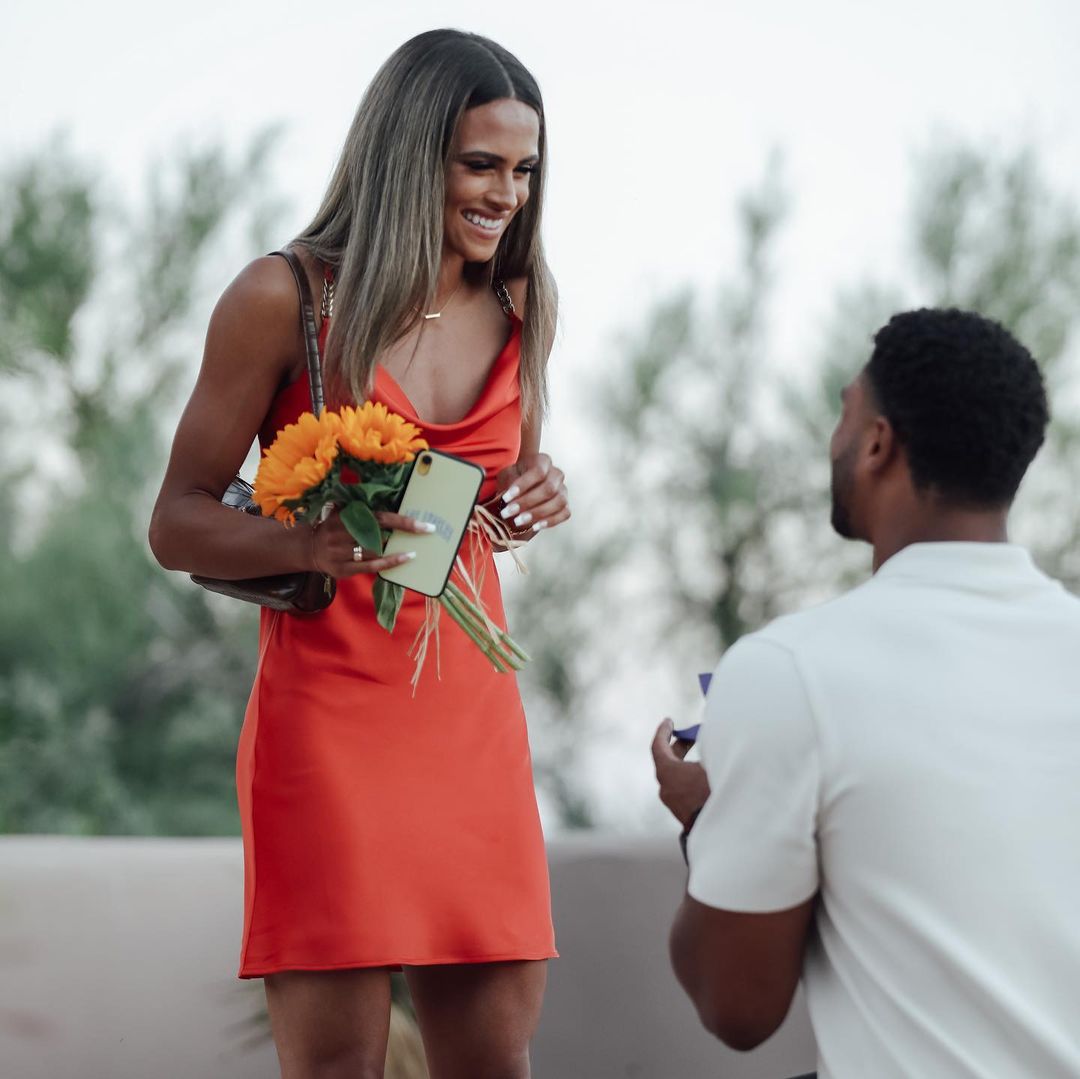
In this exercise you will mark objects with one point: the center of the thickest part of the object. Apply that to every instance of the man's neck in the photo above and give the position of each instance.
(940, 526)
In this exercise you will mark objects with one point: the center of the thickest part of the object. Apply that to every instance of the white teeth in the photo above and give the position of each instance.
(484, 222)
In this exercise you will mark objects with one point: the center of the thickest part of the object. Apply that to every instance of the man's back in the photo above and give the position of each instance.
(932, 718)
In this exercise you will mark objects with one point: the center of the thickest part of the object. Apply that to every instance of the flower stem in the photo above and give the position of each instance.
(469, 611)
(501, 660)
(484, 641)
(474, 634)
(503, 637)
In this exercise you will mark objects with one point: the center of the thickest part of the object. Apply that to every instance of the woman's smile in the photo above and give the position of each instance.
(494, 155)
(488, 224)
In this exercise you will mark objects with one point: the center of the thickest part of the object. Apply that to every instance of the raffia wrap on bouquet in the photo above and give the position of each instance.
(464, 605)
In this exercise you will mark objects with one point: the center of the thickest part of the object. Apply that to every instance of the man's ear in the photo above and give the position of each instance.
(882, 447)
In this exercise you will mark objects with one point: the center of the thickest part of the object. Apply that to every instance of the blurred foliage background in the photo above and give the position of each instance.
(122, 687)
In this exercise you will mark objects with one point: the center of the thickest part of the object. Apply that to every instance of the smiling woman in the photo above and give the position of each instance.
(493, 159)
(452, 124)
(383, 829)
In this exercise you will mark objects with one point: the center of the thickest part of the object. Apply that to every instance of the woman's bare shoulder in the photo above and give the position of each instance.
(257, 318)
(263, 289)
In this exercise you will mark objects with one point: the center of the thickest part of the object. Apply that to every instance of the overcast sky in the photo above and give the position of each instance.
(659, 115)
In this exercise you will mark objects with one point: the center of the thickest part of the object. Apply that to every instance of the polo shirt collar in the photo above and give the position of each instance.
(964, 563)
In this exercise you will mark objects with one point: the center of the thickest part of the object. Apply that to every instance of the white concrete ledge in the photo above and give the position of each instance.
(118, 961)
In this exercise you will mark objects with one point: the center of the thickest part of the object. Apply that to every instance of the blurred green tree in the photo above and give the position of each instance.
(724, 524)
(120, 686)
(989, 234)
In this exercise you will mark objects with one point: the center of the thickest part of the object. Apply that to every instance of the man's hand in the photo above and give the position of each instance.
(684, 786)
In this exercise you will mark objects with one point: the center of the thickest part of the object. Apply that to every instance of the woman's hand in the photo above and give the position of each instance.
(531, 496)
(335, 553)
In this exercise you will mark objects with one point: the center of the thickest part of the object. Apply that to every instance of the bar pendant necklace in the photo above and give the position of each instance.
(438, 314)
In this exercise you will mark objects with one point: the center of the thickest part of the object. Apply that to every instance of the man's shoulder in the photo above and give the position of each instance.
(841, 616)
(825, 634)
(857, 617)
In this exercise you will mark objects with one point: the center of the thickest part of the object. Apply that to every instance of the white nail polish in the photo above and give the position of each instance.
(510, 494)
(522, 519)
(510, 511)
(409, 555)
(425, 526)
(539, 526)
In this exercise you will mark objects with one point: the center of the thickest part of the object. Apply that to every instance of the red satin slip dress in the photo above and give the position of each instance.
(380, 828)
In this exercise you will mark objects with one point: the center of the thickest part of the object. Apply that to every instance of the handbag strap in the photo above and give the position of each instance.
(503, 294)
(307, 323)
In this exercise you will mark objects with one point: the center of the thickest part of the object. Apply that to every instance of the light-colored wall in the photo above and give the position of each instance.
(117, 961)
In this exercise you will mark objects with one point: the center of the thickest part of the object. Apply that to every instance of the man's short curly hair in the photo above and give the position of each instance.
(966, 400)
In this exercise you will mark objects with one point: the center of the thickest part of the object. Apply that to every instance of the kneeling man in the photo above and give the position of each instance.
(889, 806)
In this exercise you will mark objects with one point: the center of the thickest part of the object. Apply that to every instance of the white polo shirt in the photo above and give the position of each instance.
(912, 752)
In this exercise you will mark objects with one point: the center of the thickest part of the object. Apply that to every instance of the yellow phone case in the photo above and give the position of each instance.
(442, 491)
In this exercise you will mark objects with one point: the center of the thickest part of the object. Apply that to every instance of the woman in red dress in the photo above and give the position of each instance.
(384, 829)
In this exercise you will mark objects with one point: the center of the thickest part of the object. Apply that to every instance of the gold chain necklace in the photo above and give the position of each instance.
(438, 314)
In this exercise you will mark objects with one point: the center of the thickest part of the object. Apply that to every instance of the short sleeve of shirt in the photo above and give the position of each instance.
(753, 848)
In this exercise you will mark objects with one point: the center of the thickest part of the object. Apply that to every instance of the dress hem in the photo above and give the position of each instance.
(257, 971)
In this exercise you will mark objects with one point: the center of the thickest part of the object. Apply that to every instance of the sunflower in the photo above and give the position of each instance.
(374, 433)
(299, 459)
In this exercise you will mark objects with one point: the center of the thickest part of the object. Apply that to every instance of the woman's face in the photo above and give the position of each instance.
(494, 154)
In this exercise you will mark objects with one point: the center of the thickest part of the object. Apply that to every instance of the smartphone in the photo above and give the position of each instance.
(442, 491)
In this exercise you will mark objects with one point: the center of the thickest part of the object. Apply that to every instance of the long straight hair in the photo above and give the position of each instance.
(381, 221)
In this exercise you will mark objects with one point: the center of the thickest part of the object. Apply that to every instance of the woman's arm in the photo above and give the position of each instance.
(254, 345)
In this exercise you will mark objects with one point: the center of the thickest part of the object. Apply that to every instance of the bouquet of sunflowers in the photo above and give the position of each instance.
(357, 460)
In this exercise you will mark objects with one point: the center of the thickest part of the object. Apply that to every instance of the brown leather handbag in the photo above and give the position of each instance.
(300, 593)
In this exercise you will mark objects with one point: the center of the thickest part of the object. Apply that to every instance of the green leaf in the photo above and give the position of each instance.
(388, 597)
(380, 490)
(362, 526)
